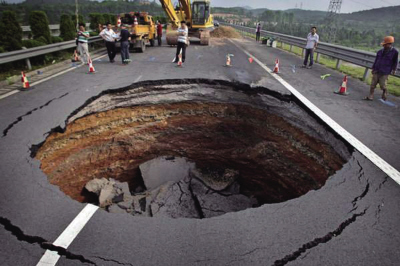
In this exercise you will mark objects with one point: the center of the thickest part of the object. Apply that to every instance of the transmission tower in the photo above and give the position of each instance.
(332, 19)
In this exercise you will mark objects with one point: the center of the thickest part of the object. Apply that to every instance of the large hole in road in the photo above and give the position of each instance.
(189, 148)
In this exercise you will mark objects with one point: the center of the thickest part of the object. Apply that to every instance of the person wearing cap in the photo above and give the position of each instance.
(386, 62)
(125, 43)
(183, 33)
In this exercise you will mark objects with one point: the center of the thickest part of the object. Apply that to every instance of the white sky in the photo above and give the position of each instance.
(347, 6)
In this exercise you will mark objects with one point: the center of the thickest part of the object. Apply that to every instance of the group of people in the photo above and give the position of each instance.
(385, 64)
(110, 37)
(386, 60)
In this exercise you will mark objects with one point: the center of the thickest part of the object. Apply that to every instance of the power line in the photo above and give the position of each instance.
(361, 3)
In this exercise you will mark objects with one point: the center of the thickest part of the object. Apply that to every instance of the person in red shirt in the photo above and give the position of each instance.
(159, 32)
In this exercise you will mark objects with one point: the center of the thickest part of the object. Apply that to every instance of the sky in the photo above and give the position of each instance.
(347, 6)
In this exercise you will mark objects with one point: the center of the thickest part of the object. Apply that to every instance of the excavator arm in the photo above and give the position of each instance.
(170, 11)
(187, 8)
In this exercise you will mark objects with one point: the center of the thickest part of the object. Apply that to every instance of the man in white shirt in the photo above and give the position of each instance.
(312, 42)
(109, 36)
(183, 33)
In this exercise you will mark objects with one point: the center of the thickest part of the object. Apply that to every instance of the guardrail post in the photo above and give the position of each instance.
(27, 61)
(366, 73)
(317, 59)
(338, 63)
(291, 48)
(303, 52)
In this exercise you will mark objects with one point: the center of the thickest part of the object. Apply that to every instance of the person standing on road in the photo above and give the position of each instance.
(82, 40)
(125, 43)
(183, 33)
(386, 62)
(109, 36)
(312, 43)
(258, 32)
(159, 33)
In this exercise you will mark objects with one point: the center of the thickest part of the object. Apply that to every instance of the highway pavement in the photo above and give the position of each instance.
(352, 220)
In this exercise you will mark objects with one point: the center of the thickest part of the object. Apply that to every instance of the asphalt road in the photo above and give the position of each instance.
(352, 220)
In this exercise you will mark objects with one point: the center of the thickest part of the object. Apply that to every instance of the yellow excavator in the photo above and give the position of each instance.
(197, 16)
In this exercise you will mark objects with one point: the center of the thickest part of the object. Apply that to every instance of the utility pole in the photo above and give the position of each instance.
(332, 19)
(76, 15)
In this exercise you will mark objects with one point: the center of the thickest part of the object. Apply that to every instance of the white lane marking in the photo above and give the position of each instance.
(8, 94)
(69, 234)
(367, 152)
(138, 78)
(48, 78)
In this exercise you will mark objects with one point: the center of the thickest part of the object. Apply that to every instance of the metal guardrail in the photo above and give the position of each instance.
(341, 53)
(41, 50)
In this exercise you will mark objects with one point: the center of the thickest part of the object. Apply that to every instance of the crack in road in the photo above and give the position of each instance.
(381, 184)
(43, 243)
(111, 260)
(318, 241)
(20, 118)
(356, 199)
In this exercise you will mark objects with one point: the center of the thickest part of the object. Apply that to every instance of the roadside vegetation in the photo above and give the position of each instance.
(346, 68)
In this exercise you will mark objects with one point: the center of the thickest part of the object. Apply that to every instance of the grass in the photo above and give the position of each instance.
(393, 85)
(351, 70)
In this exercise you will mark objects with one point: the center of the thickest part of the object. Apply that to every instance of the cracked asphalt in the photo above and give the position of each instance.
(352, 220)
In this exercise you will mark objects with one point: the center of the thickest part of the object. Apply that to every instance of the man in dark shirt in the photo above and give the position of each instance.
(258, 32)
(125, 43)
(386, 62)
(159, 33)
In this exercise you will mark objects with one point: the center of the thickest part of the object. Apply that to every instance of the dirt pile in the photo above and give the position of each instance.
(225, 32)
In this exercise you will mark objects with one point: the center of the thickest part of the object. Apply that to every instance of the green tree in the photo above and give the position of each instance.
(67, 28)
(11, 32)
(95, 20)
(80, 19)
(40, 25)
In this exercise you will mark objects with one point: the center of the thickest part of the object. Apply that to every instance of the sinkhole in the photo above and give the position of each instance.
(189, 148)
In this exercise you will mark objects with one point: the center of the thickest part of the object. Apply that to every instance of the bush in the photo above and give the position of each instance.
(11, 32)
(2, 49)
(80, 19)
(42, 40)
(95, 20)
(40, 26)
(93, 33)
(67, 28)
(32, 43)
(106, 18)
(55, 39)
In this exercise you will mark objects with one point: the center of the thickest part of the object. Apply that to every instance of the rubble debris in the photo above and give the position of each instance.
(160, 170)
(199, 193)
(225, 32)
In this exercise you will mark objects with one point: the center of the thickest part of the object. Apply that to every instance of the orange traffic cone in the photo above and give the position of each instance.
(276, 69)
(119, 22)
(228, 60)
(91, 67)
(180, 59)
(343, 89)
(135, 21)
(24, 80)
(76, 57)
(251, 60)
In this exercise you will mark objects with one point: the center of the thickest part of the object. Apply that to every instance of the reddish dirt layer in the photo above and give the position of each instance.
(276, 160)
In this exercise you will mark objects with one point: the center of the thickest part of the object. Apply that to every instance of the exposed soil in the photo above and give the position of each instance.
(278, 150)
(225, 32)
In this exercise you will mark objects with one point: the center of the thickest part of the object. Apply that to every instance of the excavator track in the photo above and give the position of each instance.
(204, 37)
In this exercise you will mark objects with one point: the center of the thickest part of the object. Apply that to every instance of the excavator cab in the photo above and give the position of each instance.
(200, 12)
